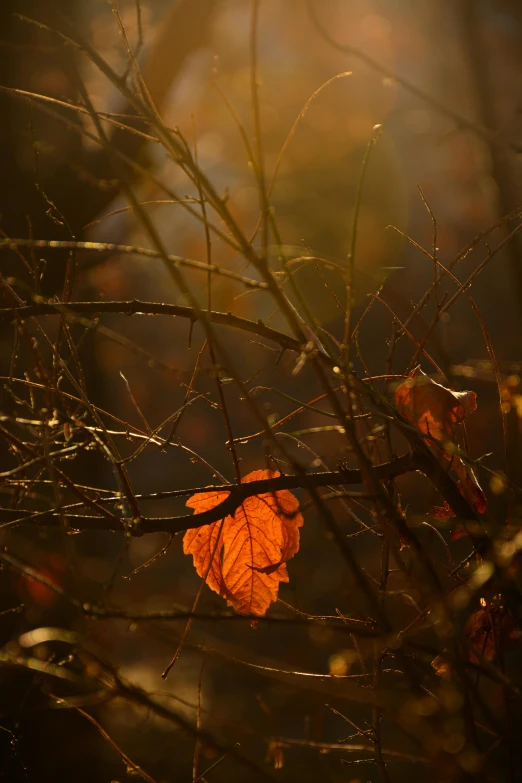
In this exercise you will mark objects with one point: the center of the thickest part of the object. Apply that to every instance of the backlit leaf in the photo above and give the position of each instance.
(253, 547)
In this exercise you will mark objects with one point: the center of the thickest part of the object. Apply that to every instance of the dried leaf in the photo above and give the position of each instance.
(254, 545)
(438, 412)
(445, 512)
(490, 628)
(458, 532)
(432, 408)
(442, 667)
(442, 513)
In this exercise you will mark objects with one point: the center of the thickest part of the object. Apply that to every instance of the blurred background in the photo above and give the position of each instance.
(458, 135)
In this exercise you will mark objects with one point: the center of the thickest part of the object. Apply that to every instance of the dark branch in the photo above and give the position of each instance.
(346, 625)
(137, 307)
(237, 494)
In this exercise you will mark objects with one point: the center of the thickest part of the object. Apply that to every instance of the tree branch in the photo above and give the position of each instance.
(109, 247)
(236, 494)
(137, 307)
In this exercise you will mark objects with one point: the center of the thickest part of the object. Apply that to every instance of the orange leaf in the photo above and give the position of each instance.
(254, 545)
(437, 412)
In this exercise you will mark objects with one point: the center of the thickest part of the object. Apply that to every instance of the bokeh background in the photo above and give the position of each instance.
(466, 57)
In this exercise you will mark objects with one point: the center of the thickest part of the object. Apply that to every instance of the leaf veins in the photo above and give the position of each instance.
(249, 559)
